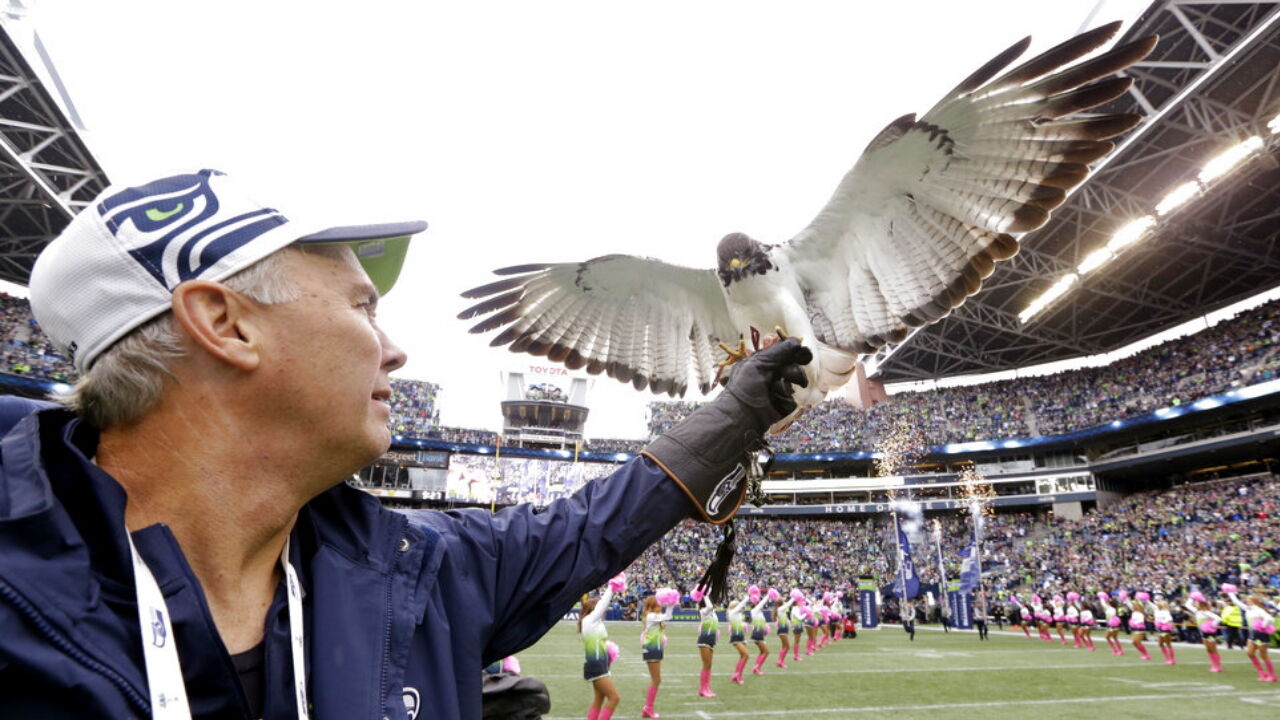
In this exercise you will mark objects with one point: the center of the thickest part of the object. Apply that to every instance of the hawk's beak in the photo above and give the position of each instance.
(735, 263)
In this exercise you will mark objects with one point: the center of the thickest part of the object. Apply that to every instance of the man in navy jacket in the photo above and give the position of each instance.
(232, 376)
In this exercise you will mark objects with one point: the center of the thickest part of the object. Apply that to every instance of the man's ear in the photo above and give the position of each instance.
(219, 321)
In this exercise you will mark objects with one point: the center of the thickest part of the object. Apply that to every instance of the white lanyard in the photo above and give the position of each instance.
(164, 672)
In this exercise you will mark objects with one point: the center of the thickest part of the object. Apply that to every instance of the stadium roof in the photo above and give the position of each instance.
(1212, 82)
(46, 172)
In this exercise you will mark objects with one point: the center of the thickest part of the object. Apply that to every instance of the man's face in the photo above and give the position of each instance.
(329, 361)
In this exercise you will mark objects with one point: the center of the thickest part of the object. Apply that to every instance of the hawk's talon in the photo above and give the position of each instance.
(733, 357)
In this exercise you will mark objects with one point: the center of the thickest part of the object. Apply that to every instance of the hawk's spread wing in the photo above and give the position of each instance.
(639, 320)
(922, 217)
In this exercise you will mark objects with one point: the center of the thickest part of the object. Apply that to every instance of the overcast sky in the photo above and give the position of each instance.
(524, 131)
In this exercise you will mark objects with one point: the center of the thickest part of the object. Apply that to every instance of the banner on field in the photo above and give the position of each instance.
(907, 572)
(961, 610)
(868, 608)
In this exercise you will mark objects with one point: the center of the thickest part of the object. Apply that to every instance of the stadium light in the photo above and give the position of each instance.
(1229, 158)
(1178, 197)
(1274, 125)
(1130, 233)
(1053, 293)
(1094, 260)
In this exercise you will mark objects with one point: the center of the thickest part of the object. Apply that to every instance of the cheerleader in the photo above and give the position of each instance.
(1164, 631)
(658, 609)
(783, 618)
(798, 616)
(1262, 626)
(738, 637)
(1042, 618)
(760, 627)
(1086, 625)
(833, 621)
(823, 628)
(1072, 616)
(1138, 622)
(812, 621)
(1025, 616)
(708, 631)
(1059, 618)
(837, 623)
(600, 652)
(1113, 623)
(1210, 625)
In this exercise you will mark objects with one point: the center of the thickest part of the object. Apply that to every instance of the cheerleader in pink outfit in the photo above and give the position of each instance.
(782, 621)
(1262, 626)
(1138, 622)
(1164, 632)
(1112, 621)
(1086, 626)
(760, 628)
(1043, 618)
(1073, 619)
(799, 615)
(1060, 617)
(1026, 617)
(1210, 625)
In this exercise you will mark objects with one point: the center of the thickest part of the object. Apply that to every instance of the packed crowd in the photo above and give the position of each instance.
(1193, 536)
(26, 349)
(413, 407)
(1242, 351)
(1167, 542)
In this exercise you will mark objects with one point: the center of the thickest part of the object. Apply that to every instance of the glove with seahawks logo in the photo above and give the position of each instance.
(708, 454)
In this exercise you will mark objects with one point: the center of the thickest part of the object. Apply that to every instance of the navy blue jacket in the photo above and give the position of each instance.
(400, 607)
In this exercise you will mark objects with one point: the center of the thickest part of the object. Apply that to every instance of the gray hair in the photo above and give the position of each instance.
(127, 379)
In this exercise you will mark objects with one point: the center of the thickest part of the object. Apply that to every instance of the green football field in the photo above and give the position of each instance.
(939, 676)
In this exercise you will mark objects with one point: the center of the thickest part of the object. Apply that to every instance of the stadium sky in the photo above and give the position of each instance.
(524, 132)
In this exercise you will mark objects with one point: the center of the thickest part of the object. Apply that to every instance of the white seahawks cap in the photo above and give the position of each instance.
(116, 264)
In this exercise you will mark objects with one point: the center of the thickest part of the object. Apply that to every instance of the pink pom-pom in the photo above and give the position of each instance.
(1035, 600)
(839, 594)
(796, 595)
(803, 602)
(1102, 595)
(753, 593)
(773, 595)
(1197, 596)
(1073, 596)
(1229, 589)
(1142, 596)
(697, 595)
(1123, 595)
(667, 596)
(1057, 599)
(511, 664)
(619, 583)
(612, 648)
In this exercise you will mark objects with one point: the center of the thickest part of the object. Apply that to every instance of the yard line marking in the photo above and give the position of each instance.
(1243, 696)
(880, 671)
(703, 715)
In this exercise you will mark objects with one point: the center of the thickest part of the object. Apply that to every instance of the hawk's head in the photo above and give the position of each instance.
(738, 256)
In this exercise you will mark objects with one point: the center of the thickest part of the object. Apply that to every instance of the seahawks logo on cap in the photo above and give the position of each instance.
(177, 227)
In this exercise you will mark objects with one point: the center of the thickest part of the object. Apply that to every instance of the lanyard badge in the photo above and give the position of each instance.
(164, 671)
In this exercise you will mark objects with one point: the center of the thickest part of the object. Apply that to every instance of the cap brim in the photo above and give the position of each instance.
(380, 248)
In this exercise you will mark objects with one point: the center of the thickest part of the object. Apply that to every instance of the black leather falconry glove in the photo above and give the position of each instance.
(707, 453)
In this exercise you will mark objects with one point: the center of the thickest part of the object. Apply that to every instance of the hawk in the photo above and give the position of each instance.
(912, 230)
